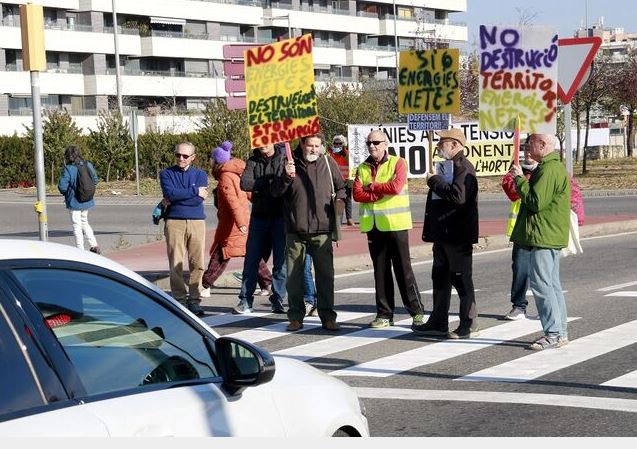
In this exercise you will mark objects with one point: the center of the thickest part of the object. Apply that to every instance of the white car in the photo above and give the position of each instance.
(89, 348)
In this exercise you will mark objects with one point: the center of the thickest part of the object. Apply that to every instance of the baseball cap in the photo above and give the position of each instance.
(453, 133)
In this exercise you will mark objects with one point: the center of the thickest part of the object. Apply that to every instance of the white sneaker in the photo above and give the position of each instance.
(264, 292)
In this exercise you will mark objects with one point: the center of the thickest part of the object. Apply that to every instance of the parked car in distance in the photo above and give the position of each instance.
(90, 348)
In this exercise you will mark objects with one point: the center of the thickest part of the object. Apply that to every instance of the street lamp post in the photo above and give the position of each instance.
(118, 80)
(395, 37)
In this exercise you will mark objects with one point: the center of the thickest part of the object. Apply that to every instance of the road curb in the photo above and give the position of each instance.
(362, 262)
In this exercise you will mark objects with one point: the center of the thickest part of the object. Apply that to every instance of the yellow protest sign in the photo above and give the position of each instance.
(428, 81)
(281, 98)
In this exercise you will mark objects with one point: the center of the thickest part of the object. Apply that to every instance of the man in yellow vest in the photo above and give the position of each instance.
(381, 189)
(451, 223)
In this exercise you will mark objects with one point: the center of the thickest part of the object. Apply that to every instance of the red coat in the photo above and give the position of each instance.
(233, 209)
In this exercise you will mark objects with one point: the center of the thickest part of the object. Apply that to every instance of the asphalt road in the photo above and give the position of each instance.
(413, 386)
(120, 223)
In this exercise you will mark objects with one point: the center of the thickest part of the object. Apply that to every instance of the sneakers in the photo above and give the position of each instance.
(310, 309)
(516, 313)
(418, 320)
(241, 309)
(277, 307)
(264, 292)
(463, 332)
(547, 342)
(350, 222)
(197, 309)
(380, 323)
(294, 326)
(238, 276)
(562, 341)
(96, 250)
(429, 330)
(331, 325)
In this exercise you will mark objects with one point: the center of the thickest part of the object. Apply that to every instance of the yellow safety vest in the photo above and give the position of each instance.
(513, 216)
(390, 213)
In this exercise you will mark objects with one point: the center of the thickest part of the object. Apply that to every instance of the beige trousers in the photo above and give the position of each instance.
(185, 236)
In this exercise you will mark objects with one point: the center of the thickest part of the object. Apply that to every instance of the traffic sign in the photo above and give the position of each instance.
(574, 60)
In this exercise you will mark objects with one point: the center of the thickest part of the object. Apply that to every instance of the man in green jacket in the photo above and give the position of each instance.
(542, 229)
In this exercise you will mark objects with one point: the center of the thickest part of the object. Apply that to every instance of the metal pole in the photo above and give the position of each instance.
(40, 180)
(395, 39)
(289, 27)
(567, 138)
(376, 66)
(118, 80)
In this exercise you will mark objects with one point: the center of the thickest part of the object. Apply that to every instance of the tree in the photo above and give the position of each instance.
(111, 145)
(469, 86)
(219, 124)
(156, 150)
(58, 131)
(622, 92)
(340, 105)
(588, 97)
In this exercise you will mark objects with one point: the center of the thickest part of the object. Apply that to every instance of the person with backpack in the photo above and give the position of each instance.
(77, 184)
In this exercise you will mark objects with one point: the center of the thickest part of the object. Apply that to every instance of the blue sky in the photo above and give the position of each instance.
(565, 15)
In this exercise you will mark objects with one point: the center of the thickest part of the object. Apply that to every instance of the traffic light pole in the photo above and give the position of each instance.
(40, 180)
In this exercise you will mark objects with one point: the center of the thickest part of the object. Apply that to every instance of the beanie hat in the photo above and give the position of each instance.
(221, 154)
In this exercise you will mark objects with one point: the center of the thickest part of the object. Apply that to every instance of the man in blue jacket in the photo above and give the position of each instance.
(185, 188)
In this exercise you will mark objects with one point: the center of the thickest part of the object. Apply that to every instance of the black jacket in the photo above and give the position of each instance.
(307, 196)
(257, 178)
(454, 217)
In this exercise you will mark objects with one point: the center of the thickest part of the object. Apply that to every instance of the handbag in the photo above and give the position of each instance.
(574, 247)
(159, 212)
(336, 208)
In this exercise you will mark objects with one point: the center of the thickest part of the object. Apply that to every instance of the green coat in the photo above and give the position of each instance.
(545, 206)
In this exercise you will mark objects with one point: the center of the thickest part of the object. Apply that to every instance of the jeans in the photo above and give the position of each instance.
(520, 266)
(309, 291)
(81, 228)
(545, 284)
(264, 233)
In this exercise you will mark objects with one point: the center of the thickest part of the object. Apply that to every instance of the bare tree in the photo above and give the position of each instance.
(622, 91)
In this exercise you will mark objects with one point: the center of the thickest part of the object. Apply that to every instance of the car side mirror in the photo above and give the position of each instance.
(242, 364)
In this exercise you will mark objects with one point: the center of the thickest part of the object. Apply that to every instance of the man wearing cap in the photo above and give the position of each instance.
(185, 188)
(384, 215)
(451, 223)
(340, 154)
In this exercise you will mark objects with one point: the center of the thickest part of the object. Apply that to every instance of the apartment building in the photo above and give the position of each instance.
(171, 51)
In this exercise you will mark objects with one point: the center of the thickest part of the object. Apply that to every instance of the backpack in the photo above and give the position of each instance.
(84, 186)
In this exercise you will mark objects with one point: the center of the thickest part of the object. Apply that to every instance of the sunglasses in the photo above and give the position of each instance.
(182, 156)
(374, 142)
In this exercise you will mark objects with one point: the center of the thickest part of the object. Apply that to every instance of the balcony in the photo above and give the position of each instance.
(156, 84)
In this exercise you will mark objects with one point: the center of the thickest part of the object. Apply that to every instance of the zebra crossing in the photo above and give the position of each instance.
(311, 347)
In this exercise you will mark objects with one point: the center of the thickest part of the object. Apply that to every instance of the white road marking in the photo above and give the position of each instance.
(617, 287)
(624, 294)
(628, 380)
(278, 329)
(367, 290)
(345, 342)
(437, 352)
(589, 402)
(544, 362)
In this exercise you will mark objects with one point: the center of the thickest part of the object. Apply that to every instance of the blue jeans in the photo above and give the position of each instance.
(545, 284)
(264, 234)
(309, 291)
(520, 266)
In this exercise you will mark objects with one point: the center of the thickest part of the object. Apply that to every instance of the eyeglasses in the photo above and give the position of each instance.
(375, 142)
(182, 156)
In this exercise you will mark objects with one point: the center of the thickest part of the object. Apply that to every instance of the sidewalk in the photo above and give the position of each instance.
(351, 254)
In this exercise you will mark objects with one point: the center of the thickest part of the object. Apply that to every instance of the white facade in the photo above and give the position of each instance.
(171, 51)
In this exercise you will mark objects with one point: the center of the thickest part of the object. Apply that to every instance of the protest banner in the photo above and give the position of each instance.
(518, 76)
(490, 152)
(428, 81)
(280, 92)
